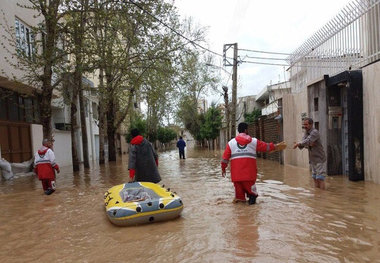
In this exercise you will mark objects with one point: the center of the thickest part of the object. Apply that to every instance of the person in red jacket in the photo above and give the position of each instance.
(241, 150)
(45, 166)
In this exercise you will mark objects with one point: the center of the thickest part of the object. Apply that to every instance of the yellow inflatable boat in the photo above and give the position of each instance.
(141, 202)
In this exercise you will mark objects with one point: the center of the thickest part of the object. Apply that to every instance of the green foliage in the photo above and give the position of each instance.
(253, 116)
(139, 124)
(165, 134)
(201, 126)
(189, 116)
(210, 128)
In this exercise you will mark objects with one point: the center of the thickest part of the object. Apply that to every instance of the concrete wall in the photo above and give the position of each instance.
(294, 105)
(37, 137)
(62, 147)
(62, 144)
(371, 122)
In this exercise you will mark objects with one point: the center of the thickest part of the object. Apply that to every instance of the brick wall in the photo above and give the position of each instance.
(267, 129)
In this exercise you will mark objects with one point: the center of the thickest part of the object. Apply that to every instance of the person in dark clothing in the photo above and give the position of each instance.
(143, 160)
(181, 147)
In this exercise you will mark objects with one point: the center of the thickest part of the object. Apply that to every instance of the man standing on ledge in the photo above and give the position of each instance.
(241, 150)
(317, 158)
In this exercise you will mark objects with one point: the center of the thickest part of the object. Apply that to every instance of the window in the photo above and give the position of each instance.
(21, 109)
(315, 104)
(18, 107)
(36, 111)
(95, 114)
(24, 39)
(28, 105)
(13, 109)
(316, 125)
(3, 108)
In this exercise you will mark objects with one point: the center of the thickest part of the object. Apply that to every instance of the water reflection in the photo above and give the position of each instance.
(291, 222)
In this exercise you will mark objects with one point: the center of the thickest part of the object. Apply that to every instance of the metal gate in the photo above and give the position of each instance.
(351, 84)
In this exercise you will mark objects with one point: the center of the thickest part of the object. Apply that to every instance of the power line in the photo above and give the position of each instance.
(285, 65)
(267, 52)
(267, 58)
(213, 52)
(264, 63)
(175, 31)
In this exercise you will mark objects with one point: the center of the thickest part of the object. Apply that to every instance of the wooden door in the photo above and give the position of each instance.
(15, 142)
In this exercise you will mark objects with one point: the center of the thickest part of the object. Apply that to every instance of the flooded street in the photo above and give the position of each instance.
(291, 222)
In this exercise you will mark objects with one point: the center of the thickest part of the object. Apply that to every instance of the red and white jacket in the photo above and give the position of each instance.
(242, 152)
(44, 163)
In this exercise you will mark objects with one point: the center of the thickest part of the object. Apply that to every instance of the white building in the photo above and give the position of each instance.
(269, 99)
(20, 128)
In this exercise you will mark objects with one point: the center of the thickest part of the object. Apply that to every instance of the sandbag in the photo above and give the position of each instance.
(6, 169)
(22, 168)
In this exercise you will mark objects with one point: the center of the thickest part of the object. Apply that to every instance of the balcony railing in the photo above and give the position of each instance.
(348, 41)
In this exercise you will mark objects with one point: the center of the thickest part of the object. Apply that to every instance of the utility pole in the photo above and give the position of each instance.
(234, 82)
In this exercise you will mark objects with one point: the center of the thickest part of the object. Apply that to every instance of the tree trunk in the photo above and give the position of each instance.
(78, 38)
(83, 126)
(45, 108)
(102, 128)
(227, 113)
(48, 53)
(111, 130)
(111, 117)
(102, 121)
(74, 152)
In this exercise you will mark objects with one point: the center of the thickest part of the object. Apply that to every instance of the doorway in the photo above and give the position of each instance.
(345, 124)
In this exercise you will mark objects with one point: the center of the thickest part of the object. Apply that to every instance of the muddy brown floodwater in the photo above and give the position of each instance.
(291, 222)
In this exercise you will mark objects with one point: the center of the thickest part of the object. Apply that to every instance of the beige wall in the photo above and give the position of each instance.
(37, 137)
(371, 122)
(62, 147)
(62, 144)
(293, 106)
(11, 11)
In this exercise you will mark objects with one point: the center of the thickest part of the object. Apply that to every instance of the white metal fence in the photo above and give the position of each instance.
(348, 41)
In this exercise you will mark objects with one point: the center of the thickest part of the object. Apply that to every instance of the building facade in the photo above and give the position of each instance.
(20, 127)
(333, 79)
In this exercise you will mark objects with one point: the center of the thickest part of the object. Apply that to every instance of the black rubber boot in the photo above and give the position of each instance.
(252, 199)
(49, 191)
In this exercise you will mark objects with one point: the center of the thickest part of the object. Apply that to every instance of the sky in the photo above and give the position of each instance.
(262, 25)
